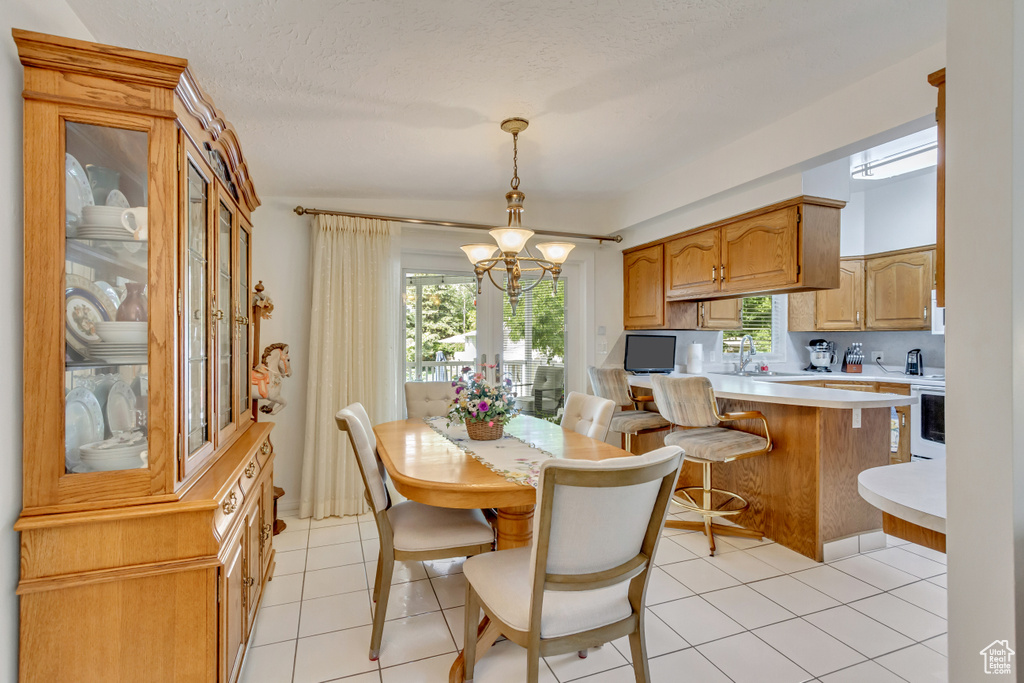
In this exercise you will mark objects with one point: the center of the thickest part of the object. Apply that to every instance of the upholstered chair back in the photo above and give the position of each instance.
(354, 420)
(587, 415)
(428, 399)
(686, 401)
(611, 383)
(548, 378)
(594, 516)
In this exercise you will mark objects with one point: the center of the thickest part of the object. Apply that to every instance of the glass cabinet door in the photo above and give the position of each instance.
(106, 320)
(243, 311)
(196, 313)
(225, 319)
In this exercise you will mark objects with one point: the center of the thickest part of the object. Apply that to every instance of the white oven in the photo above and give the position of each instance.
(928, 422)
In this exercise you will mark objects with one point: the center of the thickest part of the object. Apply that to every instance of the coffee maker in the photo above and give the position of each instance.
(823, 354)
(915, 363)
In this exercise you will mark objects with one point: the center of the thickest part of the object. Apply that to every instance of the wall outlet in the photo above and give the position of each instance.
(877, 357)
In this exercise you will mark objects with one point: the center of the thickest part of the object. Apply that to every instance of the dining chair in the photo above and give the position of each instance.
(428, 399)
(584, 579)
(587, 415)
(631, 420)
(689, 402)
(408, 530)
(546, 393)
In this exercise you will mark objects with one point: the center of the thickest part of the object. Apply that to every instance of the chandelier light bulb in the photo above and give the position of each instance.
(478, 252)
(511, 239)
(556, 252)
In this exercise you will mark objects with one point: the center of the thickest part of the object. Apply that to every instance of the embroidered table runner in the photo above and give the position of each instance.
(509, 456)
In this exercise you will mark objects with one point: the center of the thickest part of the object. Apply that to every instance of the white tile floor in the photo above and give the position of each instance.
(754, 613)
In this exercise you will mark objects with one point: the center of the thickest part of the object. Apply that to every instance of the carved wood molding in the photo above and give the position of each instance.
(78, 56)
(200, 106)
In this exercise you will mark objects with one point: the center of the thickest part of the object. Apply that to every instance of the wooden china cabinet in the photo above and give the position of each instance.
(148, 487)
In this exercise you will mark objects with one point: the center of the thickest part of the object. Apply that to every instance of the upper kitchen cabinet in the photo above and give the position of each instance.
(761, 252)
(792, 246)
(644, 304)
(842, 308)
(644, 299)
(720, 314)
(693, 264)
(899, 290)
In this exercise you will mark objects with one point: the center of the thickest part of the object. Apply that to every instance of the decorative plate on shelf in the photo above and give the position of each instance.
(85, 304)
(83, 423)
(77, 193)
(117, 198)
(121, 408)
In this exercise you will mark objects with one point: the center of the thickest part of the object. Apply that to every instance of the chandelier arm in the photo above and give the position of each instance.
(490, 274)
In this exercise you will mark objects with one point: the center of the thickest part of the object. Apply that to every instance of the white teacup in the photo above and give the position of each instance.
(135, 221)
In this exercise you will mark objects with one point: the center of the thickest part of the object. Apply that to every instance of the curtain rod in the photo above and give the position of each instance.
(452, 224)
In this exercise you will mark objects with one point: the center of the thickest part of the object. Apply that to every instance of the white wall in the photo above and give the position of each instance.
(984, 270)
(50, 16)
(281, 252)
(900, 213)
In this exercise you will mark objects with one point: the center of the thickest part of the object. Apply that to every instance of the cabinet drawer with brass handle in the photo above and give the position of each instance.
(264, 452)
(227, 509)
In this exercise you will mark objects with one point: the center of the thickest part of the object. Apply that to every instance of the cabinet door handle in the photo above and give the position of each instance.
(926, 313)
(250, 470)
(265, 448)
(858, 317)
(702, 314)
(721, 276)
(218, 314)
(231, 504)
(248, 581)
(713, 269)
(903, 420)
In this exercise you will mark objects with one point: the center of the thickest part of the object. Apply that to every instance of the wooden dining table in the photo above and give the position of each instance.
(426, 467)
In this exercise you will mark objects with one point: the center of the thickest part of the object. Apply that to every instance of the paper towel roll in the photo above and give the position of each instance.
(695, 358)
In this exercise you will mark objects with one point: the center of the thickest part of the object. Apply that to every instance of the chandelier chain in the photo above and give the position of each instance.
(515, 160)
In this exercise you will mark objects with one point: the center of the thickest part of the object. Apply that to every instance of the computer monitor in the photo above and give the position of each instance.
(650, 353)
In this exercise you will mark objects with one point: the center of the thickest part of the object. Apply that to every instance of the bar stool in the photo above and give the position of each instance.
(689, 402)
(613, 384)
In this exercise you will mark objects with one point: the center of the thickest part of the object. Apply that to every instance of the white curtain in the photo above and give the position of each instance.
(354, 353)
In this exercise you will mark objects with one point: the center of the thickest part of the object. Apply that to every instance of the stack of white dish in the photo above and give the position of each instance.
(120, 342)
(103, 223)
(124, 451)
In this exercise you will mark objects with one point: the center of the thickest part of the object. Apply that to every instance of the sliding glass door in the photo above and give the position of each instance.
(533, 349)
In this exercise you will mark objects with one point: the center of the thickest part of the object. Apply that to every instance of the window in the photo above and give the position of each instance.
(440, 325)
(764, 320)
(533, 348)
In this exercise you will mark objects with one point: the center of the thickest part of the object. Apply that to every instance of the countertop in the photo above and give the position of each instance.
(875, 376)
(913, 491)
(777, 391)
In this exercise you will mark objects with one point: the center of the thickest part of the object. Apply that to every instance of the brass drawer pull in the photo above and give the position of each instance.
(250, 470)
(248, 581)
(231, 504)
(265, 448)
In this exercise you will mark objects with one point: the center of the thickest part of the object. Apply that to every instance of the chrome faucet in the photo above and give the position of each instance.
(753, 352)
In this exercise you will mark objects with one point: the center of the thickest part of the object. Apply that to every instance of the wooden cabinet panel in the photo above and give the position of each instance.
(938, 79)
(267, 528)
(722, 314)
(760, 253)
(693, 264)
(251, 581)
(850, 386)
(894, 388)
(899, 291)
(644, 295)
(902, 453)
(233, 611)
(843, 308)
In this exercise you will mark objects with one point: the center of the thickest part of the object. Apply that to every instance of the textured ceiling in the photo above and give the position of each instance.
(403, 98)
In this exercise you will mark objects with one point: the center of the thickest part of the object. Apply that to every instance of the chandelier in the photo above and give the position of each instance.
(511, 240)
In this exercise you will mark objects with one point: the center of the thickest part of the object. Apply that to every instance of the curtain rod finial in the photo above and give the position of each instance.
(299, 210)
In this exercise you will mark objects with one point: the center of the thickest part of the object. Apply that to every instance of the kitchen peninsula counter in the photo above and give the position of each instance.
(803, 494)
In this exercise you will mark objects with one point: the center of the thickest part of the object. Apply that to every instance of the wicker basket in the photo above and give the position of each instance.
(479, 430)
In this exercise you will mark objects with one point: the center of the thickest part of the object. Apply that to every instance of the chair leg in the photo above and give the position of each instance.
(582, 654)
(638, 650)
(472, 623)
(629, 441)
(376, 581)
(385, 569)
(707, 504)
(532, 664)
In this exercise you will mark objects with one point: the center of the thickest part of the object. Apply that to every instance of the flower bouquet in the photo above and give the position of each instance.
(484, 406)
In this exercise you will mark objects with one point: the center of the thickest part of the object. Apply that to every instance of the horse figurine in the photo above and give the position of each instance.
(266, 378)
